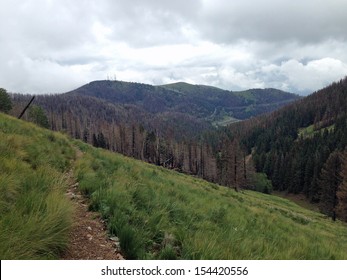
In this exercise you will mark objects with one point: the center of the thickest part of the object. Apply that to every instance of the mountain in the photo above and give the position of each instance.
(204, 103)
(241, 104)
(180, 110)
(302, 146)
(156, 213)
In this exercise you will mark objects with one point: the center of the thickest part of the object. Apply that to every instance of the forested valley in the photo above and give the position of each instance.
(177, 126)
(302, 148)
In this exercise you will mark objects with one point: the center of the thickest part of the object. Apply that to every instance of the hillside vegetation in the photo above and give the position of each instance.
(35, 217)
(161, 214)
(178, 126)
(156, 213)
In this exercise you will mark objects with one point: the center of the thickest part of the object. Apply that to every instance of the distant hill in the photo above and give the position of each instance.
(204, 103)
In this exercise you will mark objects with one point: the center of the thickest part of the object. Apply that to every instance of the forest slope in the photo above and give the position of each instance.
(297, 145)
(155, 212)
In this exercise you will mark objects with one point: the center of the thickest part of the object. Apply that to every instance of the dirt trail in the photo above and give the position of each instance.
(88, 237)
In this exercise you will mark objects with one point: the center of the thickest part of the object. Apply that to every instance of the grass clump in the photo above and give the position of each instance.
(168, 253)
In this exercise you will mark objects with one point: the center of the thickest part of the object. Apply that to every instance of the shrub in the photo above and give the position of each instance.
(262, 183)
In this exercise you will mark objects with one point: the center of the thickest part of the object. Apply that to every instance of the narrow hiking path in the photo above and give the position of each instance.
(88, 238)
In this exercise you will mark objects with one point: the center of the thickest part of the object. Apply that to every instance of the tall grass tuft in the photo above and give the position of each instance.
(35, 216)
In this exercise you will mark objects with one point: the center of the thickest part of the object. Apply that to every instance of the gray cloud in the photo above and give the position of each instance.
(54, 46)
(147, 23)
(273, 20)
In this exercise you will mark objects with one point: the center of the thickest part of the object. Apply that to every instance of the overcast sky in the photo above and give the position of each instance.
(53, 46)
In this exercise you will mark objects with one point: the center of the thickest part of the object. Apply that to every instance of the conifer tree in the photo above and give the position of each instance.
(330, 179)
(38, 116)
(342, 191)
(5, 101)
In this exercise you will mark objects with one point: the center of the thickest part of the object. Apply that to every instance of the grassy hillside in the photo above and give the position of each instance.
(161, 214)
(156, 213)
(34, 214)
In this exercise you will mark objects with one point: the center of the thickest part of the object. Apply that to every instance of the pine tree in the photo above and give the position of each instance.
(102, 143)
(38, 116)
(329, 181)
(5, 101)
(313, 193)
(85, 135)
(308, 176)
(342, 191)
(95, 142)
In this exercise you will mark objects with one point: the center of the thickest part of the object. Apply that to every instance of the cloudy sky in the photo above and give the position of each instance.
(52, 46)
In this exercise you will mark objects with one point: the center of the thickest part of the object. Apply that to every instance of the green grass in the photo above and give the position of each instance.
(310, 131)
(248, 95)
(35, 216)
(224, 121)
(160, 214)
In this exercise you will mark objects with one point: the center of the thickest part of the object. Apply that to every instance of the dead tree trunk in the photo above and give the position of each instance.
(26, 107)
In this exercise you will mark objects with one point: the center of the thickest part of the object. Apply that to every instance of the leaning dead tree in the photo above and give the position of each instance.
(26, 107)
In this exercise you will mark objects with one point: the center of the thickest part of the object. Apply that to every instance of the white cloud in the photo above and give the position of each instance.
(55, 46)
(316, 73)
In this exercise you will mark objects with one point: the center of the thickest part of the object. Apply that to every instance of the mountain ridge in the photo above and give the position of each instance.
(199, 101)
